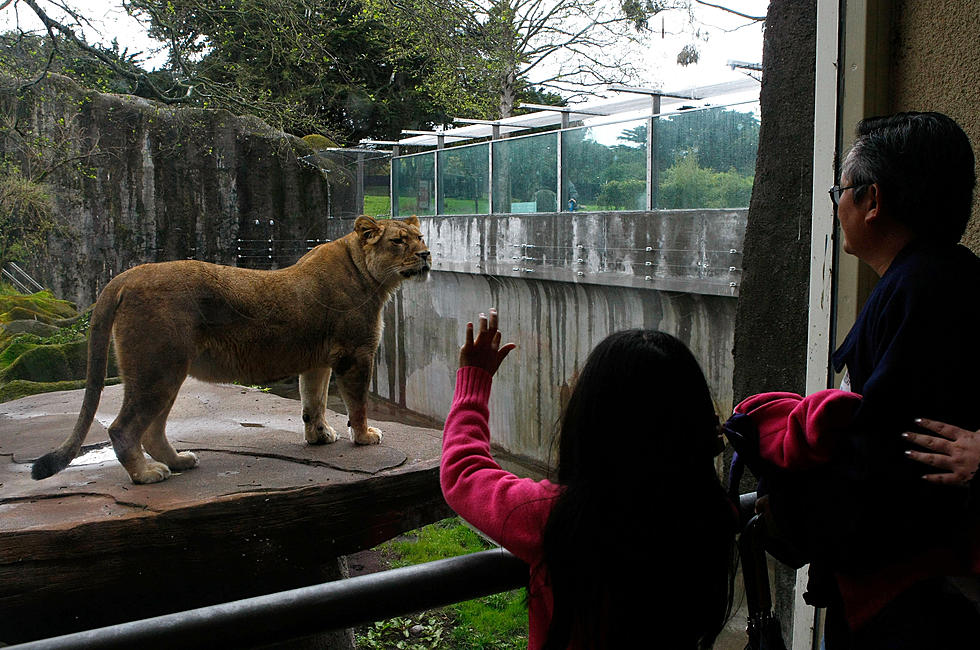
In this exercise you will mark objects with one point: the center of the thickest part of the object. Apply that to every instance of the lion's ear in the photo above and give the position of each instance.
(367, 228)
(412, 221)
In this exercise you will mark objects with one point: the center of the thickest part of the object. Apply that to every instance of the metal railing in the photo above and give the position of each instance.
(20, 279)
(303, 612)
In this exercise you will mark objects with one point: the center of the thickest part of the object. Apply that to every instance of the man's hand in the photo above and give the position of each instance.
(485, 352)
(952, 449)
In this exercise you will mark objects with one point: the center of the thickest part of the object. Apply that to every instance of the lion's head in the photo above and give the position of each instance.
(393, 249)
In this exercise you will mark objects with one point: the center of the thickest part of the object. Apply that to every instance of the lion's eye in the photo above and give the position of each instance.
(397, 240)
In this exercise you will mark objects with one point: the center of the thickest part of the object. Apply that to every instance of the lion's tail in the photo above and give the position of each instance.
(100, 331)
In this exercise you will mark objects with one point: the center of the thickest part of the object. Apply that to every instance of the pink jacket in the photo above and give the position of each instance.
(510, 510)
(798, 432)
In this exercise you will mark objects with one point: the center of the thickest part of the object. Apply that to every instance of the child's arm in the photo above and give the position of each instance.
(510, 510)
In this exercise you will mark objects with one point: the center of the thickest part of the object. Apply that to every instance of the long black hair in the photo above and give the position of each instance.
(640, 543)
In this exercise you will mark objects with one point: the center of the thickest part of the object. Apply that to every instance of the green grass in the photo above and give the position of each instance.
(377, 206)
(495, 622)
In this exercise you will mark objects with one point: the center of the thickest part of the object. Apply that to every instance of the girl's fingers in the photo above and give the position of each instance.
(469, 334)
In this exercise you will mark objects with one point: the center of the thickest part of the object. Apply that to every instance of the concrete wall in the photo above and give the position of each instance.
(935, 66)
(556, 315)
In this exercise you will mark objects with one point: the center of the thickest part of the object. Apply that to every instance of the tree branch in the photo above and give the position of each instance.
(52, 25)
(731, 11)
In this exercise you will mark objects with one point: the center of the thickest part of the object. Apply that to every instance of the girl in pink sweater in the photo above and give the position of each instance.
(632, 543)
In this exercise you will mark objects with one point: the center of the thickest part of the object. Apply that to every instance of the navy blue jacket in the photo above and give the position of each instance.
(914, 351)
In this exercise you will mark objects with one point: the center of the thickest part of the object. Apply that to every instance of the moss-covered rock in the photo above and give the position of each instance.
(35, 327)
(36, 306)
(23, 313)
(48, 351)
(318, 141)
(11, 349)
(48, 363)
(22, 388)
(58, 362)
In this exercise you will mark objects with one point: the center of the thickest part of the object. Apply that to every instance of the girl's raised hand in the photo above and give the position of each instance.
(485, 351)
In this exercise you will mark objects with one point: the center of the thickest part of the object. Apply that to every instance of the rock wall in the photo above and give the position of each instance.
(136, 181)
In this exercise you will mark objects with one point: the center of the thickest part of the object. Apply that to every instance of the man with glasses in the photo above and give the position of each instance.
(884, 543)
(903, 203)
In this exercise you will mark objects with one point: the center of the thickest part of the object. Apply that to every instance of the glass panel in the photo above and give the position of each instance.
(377, 190)
(413, 183)
(605, 167)
(706, 159)
(464, 180)
(525, 174)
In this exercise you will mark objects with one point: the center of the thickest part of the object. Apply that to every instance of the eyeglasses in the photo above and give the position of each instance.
(836, 191)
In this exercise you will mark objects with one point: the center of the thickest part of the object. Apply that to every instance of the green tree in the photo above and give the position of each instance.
(723, 138)
(686, 184)
(623, 195)
(302, 65)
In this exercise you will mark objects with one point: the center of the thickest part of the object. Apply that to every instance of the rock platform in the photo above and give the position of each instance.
(262, 512)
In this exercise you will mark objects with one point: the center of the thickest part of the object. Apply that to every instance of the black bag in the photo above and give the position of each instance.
(784, 529)
(764, 630)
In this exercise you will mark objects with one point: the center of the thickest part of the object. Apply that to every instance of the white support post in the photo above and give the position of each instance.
(821, 257)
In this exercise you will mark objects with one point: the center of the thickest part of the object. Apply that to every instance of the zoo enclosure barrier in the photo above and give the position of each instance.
(695, 148)
(701, 158)
(303, 612)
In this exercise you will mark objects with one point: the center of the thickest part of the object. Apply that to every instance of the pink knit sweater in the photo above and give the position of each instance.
(510, 510)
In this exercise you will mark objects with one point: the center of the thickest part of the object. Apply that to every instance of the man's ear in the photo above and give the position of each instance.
(871, 203)
(412, 221)
(367, 229)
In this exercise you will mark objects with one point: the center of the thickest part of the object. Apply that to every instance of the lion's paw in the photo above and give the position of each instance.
(372, 436)
(320, 433)
(154, 472)
(185, 460)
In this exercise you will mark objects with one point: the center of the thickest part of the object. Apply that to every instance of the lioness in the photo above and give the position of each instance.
(221, 323)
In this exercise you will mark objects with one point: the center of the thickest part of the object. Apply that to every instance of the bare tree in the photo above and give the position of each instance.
(487, 50)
